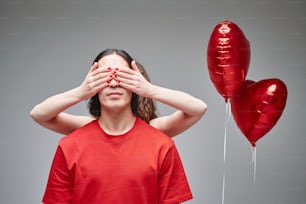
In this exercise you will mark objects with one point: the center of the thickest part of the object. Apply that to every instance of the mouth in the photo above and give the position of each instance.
(116, 93)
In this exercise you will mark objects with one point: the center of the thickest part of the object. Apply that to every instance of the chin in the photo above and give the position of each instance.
(117, 105)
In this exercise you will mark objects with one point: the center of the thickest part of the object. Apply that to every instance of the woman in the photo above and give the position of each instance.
(118, 157)
(50, 113)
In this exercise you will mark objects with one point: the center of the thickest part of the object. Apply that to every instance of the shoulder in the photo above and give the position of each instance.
(80, 133)
(152, 133)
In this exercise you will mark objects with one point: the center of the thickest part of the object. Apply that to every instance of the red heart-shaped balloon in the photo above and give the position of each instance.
(228, 58)
(256, 107)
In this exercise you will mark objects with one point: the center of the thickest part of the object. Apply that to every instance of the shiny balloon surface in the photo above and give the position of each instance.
(256, 107)
(228, 58)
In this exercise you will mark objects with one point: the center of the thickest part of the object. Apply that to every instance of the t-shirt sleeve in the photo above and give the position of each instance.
(173, 184)
(60, 182)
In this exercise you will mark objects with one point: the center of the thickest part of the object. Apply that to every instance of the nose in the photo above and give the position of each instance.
(113, 83)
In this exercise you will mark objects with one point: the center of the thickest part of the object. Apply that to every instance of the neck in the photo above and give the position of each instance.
(116, 122)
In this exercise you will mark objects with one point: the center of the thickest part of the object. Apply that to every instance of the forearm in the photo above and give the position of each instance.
(54, 105)
(178, 99)
(135, 82)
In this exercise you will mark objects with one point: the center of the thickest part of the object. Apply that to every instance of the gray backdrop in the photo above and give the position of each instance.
(47, 47)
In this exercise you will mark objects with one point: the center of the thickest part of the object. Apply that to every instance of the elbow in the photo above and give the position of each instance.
(199, 109)
(33, 114)
(202, 109)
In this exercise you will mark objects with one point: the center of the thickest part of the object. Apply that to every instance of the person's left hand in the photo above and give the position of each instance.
(133, 80)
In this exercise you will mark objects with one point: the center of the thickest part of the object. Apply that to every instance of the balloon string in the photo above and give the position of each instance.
(224, 163)
(255, 159)
(228, 115)
(227, 112)
(253, 150)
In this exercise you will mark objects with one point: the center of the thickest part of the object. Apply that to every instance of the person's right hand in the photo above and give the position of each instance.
(95, 81)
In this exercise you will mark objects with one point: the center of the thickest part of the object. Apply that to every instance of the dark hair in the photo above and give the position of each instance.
(142, 107)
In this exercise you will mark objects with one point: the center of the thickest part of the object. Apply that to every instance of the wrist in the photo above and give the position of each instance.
(78, 94)
(154, 92)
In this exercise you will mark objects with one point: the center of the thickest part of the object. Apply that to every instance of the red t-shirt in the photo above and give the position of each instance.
(141, 166)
